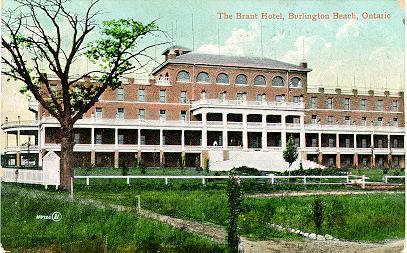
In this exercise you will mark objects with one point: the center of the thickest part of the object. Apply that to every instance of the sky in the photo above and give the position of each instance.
(362, 53)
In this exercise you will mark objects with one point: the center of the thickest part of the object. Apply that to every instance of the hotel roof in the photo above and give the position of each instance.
(231, 61)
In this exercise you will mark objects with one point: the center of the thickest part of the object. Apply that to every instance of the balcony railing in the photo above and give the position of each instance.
(262, 104)
(20, 123)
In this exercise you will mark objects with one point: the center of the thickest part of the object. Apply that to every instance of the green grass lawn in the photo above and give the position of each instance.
(377, 175)
(358, 217)
(84, 228)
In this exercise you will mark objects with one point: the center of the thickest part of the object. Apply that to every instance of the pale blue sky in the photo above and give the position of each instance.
(336, 50)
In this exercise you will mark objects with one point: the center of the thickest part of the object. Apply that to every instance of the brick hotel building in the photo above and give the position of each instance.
(231, 110)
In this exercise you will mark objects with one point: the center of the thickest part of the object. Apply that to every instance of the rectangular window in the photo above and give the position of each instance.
(120, 114)
(380, 143)
(314, 143)
(239, 96)
(362, 105)
(222, 96)
(395, 143)
(394, 106)
(395, 122)
(162, 96)
(379, 121)
(279, 98)
(259, 97)
(313, 103)
(363, 121)
(330, 120)
(142, 140)
(98, 113)
(98, 139)
(379, 105)
(183, 115)
(296, 120)
(120, 139)
(77, 138)
(347, 143)
(346, 104)
(296, 99)
(141, 95)
(364, 143)
(141, 114)
(330, 103)
(162, 115)
(347, 120)
(331, 142)
(120, 94)
(183, 97)
(314, 119)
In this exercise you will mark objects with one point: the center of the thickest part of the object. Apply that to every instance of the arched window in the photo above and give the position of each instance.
(183, 76)
(202, 77)
(260, 80)
(241, 79)
(222, 78)
(278, 81)
(295, 82)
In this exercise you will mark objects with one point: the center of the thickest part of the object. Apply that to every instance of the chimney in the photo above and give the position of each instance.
(303, 65)
(171, 55)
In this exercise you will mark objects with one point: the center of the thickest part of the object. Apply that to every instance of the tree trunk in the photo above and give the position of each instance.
(66, 170)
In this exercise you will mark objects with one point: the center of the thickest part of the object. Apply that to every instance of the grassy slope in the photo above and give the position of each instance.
(349, 217)
(86, 228)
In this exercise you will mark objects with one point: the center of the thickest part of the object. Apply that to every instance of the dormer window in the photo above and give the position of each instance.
(241, 79)
(295, 82)
(260, 80)
(183, 76)
(202, 77)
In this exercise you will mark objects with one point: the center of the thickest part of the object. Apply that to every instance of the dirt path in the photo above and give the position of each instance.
(310, 193)
(218, 233)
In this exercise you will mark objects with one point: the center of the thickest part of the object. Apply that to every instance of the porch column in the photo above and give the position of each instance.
(244, 135)
(116, 138)
(183, 140)
(92, 138)
(225, 130)
(264, 132)
(302, 139)
(338, 160)
(139, 139)
(116, 159)
(283, 132)
(204, 132)
(355, 160)
(337, 142)
(161, 139)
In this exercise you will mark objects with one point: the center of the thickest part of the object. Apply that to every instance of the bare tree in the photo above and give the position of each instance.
(33, 35)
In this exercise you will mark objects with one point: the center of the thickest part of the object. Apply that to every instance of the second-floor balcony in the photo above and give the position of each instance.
(241, 103)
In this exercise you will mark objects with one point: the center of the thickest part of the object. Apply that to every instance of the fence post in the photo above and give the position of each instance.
(363, 181)
(167, 181)
(87, 181)
(385, 179)
(305, 180)
(203, 181)
(128, 180)
(138, 202)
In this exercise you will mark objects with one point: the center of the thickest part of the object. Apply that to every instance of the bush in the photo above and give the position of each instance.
(245, 171)
(125, 170)
(235, 198)
(206, 165)
(318, 214)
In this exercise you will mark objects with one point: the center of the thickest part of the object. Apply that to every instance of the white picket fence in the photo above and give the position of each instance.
(386, 178)
(25, 176)
(273, 179)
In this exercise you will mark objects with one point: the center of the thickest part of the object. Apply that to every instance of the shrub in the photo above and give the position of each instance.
(245, 171)
(235, 198)
(182, 162)
(206, 165)
(140, 166)
(318, 214)
(125, 170)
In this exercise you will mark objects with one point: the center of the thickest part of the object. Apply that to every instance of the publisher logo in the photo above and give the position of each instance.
(55, 216)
